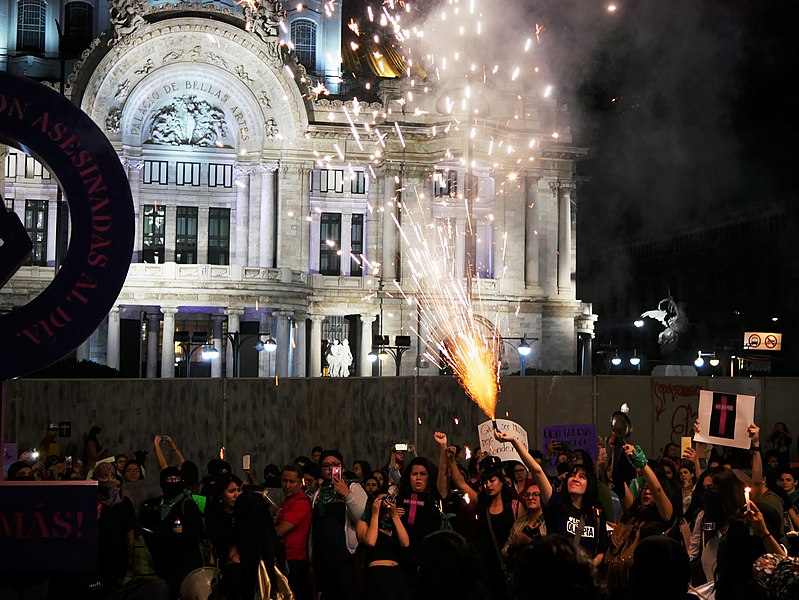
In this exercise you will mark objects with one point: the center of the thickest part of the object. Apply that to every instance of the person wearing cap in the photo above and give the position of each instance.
(48, 446)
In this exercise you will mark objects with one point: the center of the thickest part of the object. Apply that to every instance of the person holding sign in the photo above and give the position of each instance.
(576, 513)
(496, 512)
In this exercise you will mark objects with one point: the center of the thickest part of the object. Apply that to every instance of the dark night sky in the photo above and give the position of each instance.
(688, 111)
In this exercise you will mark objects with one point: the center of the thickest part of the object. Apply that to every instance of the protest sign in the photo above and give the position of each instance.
(579, 437)
(490, 445)
(725, 418)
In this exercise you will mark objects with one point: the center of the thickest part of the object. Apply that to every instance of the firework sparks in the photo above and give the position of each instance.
(454, 334)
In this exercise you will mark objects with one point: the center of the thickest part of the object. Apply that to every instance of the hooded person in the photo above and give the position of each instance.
(173, 529)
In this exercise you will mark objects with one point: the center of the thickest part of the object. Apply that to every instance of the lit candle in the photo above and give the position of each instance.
(746, 494)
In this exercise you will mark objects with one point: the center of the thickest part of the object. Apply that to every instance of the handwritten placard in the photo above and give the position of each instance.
(579, 437)
(725, 418)
(490, 445)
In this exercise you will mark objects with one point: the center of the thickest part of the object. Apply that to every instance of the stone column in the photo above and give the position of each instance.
(216, 364)
(531, 237)
(366, 345)
(168, 343)
(346, 243)
(153, 321)
(299, 365)
(564, 241)
(267, 225)
(242, 215)
(112, 350)
(316, 346)
(370, 229)
(389, 254)
(283, 338)
(264, 357)
(255, 203)
(170, 232)
(233, 325)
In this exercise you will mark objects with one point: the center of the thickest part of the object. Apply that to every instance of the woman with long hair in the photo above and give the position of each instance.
(576, 511)
(254, 540)
(722, 504)
(497, 509)
(219, 515)
(383, 535)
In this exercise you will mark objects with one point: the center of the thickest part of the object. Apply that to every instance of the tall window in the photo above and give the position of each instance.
(77, 27)
(356, 246)
(445, 184)
(330, 244)
(186, 235)
(187, 173)
(34, 169)
(219, 236)
(153, 227)
(358, 184)
(36, 226)
(30, 25)
(155, 171)
(328, 180)
(220, 175)
(303, 36)
(11, 165)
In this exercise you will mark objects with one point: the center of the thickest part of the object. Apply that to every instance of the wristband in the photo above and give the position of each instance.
(638, 458)
(768, 535)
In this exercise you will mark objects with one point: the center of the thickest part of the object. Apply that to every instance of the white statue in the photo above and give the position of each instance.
(339, 359)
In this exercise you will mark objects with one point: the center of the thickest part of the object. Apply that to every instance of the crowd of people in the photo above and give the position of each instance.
(710, 522)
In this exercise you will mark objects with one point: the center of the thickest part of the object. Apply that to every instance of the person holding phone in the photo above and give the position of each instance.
(384, 537)
(337, 509)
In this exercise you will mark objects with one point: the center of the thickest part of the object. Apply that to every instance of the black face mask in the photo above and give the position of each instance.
(563, 468)
(172, 489)
(104, 489)
(30, 477)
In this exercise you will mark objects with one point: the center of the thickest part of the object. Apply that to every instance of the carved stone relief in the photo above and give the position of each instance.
(189, 120)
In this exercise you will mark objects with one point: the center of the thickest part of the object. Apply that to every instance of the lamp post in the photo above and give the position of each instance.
(381, 349)
(237, 339)
(269, 345)
(523, 348)
(190, 344)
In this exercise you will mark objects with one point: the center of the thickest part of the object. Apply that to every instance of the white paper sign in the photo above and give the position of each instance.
(724, 418)
(490, 445)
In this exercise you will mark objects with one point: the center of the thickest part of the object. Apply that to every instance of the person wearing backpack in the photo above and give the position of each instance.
(172, 525)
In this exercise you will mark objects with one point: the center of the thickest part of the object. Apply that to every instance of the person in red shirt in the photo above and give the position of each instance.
(293, 524)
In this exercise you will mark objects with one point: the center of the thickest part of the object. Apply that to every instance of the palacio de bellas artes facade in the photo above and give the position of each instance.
(267, 161)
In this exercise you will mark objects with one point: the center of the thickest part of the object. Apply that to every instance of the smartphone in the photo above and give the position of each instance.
(685, 442)
(245, 462)
(336, 473)
(400, 447)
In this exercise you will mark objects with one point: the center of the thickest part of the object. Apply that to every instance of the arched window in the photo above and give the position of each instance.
(303, 36)
(77, 27)
(30, 25)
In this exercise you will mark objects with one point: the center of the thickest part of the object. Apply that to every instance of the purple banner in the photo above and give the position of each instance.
(40, 519)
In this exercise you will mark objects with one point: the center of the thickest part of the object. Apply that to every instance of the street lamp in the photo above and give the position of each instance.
(524, 350)
(635, 360)
(237, 340)
(700, 359)
(382, 350)
(189, 344)
(616, 360)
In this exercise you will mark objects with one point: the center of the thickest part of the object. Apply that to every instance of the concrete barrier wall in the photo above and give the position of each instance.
(276, 421)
